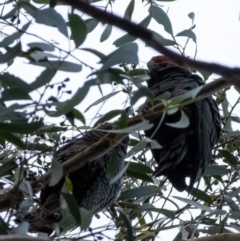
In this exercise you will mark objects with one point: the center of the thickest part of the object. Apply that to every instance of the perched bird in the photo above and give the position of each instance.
(91, 186)
(184, 150)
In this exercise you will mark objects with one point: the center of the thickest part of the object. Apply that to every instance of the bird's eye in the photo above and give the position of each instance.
(57, 216)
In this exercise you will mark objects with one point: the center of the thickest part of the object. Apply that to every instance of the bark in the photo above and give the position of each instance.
(147, 37)
(22, 238)
(220, 237)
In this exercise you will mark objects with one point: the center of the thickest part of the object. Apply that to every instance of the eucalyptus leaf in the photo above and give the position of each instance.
(182, 123)
(228, 157)
(102, 99)
(161, 17)
(129, 10)
(73, 206)
(91, 24)
(44, 78)
(57, 173)
(15, 93)
(78, 29)
(11, 38)
(128, 225)
(50, 17)
(141, 92)
(188, 33)
(139, 192)
(11, 53)
(126, 54)
(59, 65)
(106, 33)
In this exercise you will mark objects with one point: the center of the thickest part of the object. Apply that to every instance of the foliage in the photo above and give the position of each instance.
(39, 115)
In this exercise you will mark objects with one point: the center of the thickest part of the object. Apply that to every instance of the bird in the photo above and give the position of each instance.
(184, 151)
(91, 186)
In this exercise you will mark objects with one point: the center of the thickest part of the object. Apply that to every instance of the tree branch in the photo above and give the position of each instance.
(110, 140)
(22, 238)
(220, 237)
(147, 37)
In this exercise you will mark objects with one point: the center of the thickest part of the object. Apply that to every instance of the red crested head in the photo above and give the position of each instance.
(160, 66)
(162, 60)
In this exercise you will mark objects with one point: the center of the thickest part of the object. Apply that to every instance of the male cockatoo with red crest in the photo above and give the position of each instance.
(184, 150)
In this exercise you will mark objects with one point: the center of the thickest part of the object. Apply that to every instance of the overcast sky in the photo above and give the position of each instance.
(218, 39)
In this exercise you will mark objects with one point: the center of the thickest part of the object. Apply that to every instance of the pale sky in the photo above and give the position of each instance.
(218, 40)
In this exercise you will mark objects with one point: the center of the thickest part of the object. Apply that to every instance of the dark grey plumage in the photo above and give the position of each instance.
(91, 187)
(184, 151)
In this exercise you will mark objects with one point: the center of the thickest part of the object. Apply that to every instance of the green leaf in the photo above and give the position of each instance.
(106, 33)
(11, 38)
(25, 128)
(112, 167)
(75, 114)
(44, 78)
(102, 99)
(67, 221)
(95, 52)
(129, 38)
(144, 125)
(52, 128)
(161, 17)
(129, 10)
(59, 65)
(139, 176)
(139, 167)
(39, 147)
(182, 123)
(109, 76)
(65, 107)
(231, 203)
(86, 218)
(128, 225)
(137, 72)
(67, 186)
(201, 195)
(13, 81)
(73, 206)
(7, 166)
(29, 8)
(162, 40)
(11, 13)
(78, 29)
(142, 144)
(141, 92)
(192, 16)
(139, 192)
(13, 139)
(214, 170)
(91, 24)
(122, 122)
(41, 46)
(126, 54)
(3, 227)
(57, 173)
(186, 96)
(108, 116)
(149, 207)
(205, 74)
(229, 157)
(188, 33)
(15, 93)
(119, 174)
(50, 17)
(198, 205)
(11, 53)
